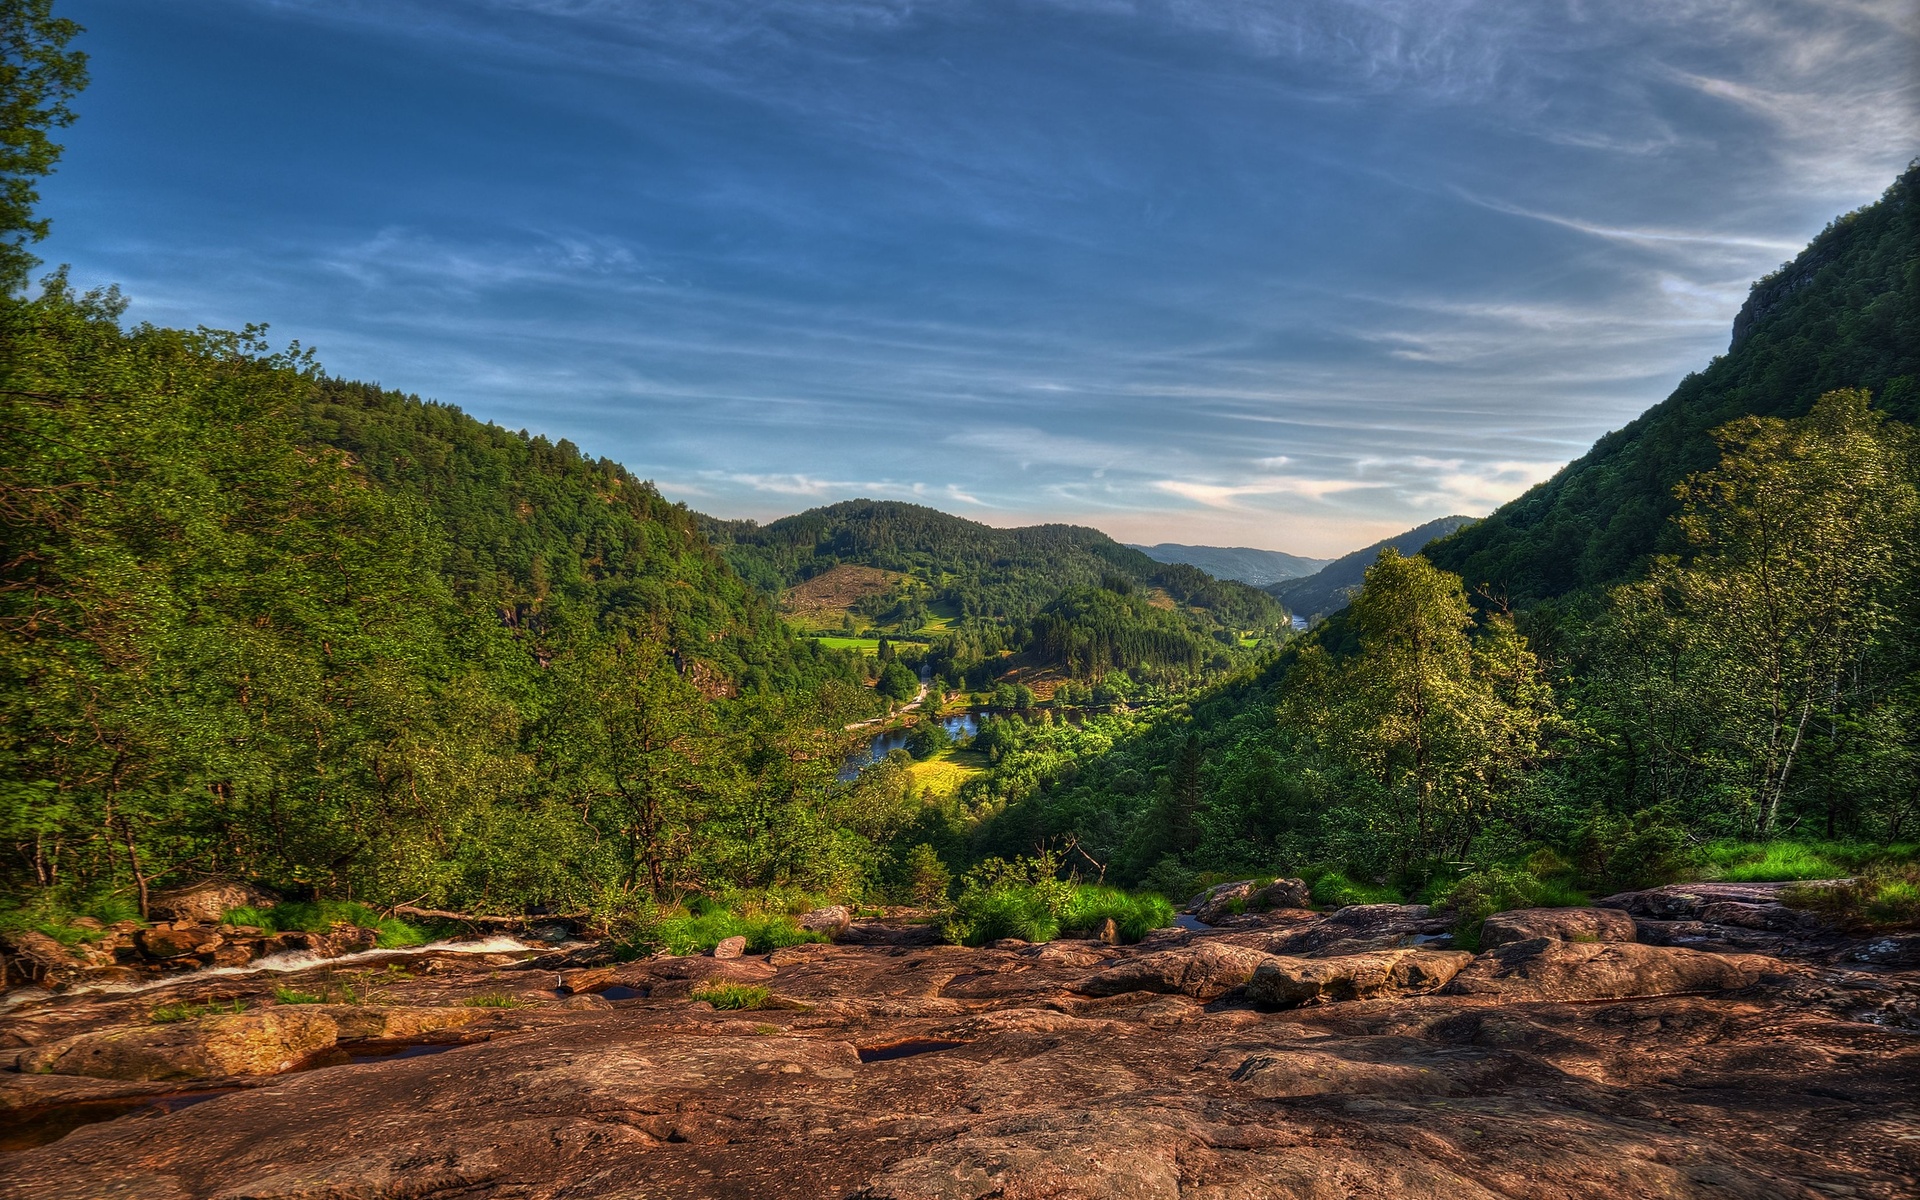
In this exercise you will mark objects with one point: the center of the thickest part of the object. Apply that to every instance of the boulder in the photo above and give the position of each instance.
(163, 943)
(1562, 924)
(1217, 902)
(1290, 982)
(228, 1044)
(1549, 969)
(206, 903)
(33, 957)
(1281, 893)
(732, 947)
(1359, 928)
(391, 1022)
(832, 920)
(1206, 970)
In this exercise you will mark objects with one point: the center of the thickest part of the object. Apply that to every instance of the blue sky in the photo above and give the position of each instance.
(1295, 274)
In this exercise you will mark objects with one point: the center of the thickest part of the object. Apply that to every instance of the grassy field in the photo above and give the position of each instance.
(946, 771)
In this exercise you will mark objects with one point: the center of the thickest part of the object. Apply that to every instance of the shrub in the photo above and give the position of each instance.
(1645, 849)
(1883, 894)
(732, 995)
(928, 880)
(1479, 894)
(1134, 915)
(1020, 899)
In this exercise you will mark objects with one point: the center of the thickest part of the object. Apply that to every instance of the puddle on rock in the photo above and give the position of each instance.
(906, 1049)
(355, 1053)
(45, 1126)
(620, 991)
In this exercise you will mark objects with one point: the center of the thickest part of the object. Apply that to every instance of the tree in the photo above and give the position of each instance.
(38, 76)
(897, 682)
(928, 879)
(1765, 635)
(1440, 725)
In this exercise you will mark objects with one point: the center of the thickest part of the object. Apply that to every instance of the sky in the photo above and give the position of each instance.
(1296, 274)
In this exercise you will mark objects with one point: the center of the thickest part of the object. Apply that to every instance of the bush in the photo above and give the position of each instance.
(928, 880)
(1020, 899)
(1134, 915)
(928, 738)
(1883, 894)
(732, 995)
(1645, 849)
(647, 928)
(1479, 894)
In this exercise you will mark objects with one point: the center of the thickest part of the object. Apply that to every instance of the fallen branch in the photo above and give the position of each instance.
(438, 914)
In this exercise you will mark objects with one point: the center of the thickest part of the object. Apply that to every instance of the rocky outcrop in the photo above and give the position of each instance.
(1205, 970)
(1549, 969)
(207, 903)
(231, 1044)
(913, 1071)
(1291, 982)
(1562, 924)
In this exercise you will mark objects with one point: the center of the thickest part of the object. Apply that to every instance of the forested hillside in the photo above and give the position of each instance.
(1844, 314)
(258, 622)
(1759, 680)
(977, 595)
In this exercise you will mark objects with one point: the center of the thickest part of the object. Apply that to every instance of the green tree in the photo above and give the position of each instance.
(897, 682)
(38, 76)
(1766, 634)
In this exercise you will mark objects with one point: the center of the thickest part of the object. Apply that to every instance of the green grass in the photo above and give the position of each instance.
(732, 995)
(493, 1000)
(287, 995)
(697, 934)
(183, 1010)
(295, 916)
(1543, 881)
(1134, 915)
(1793, 861)
(1335, 890)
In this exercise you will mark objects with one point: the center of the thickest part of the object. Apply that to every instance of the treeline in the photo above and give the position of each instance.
(258, 622)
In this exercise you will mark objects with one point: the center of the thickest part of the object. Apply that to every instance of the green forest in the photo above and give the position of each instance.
(259, 622)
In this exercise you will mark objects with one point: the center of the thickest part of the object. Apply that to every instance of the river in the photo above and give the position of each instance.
(959, 727)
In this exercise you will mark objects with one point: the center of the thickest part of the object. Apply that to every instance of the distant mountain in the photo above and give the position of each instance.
(1244, 563)
(1326, 590)
(1845, 313)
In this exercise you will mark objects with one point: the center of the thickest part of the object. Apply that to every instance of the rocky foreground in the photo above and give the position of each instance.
(1687, 1041)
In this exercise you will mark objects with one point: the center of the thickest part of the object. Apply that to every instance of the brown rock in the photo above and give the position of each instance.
(1217, 902)
(382, 1022)
(229, 1044)
(168, 943)
(832, 920)
(206, 903)
(1563, 924)
(1547, 969)
(1281, 893)
(732, 947)
(1289, 982)
(1109, 932)
(1204, 969)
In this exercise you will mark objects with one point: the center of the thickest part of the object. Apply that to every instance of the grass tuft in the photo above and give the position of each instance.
(185, 1010)
(494, 1000)
(732, 995)
(287, 995)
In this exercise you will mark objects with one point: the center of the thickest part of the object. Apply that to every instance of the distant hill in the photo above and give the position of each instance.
(1326, 590)
(1844, 313)
(1244, 563)
(976, 591)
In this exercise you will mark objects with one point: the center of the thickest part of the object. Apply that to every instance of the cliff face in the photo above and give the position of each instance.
(1844, 313)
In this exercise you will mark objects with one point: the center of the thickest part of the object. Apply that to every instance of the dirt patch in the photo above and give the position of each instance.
(824, 599)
